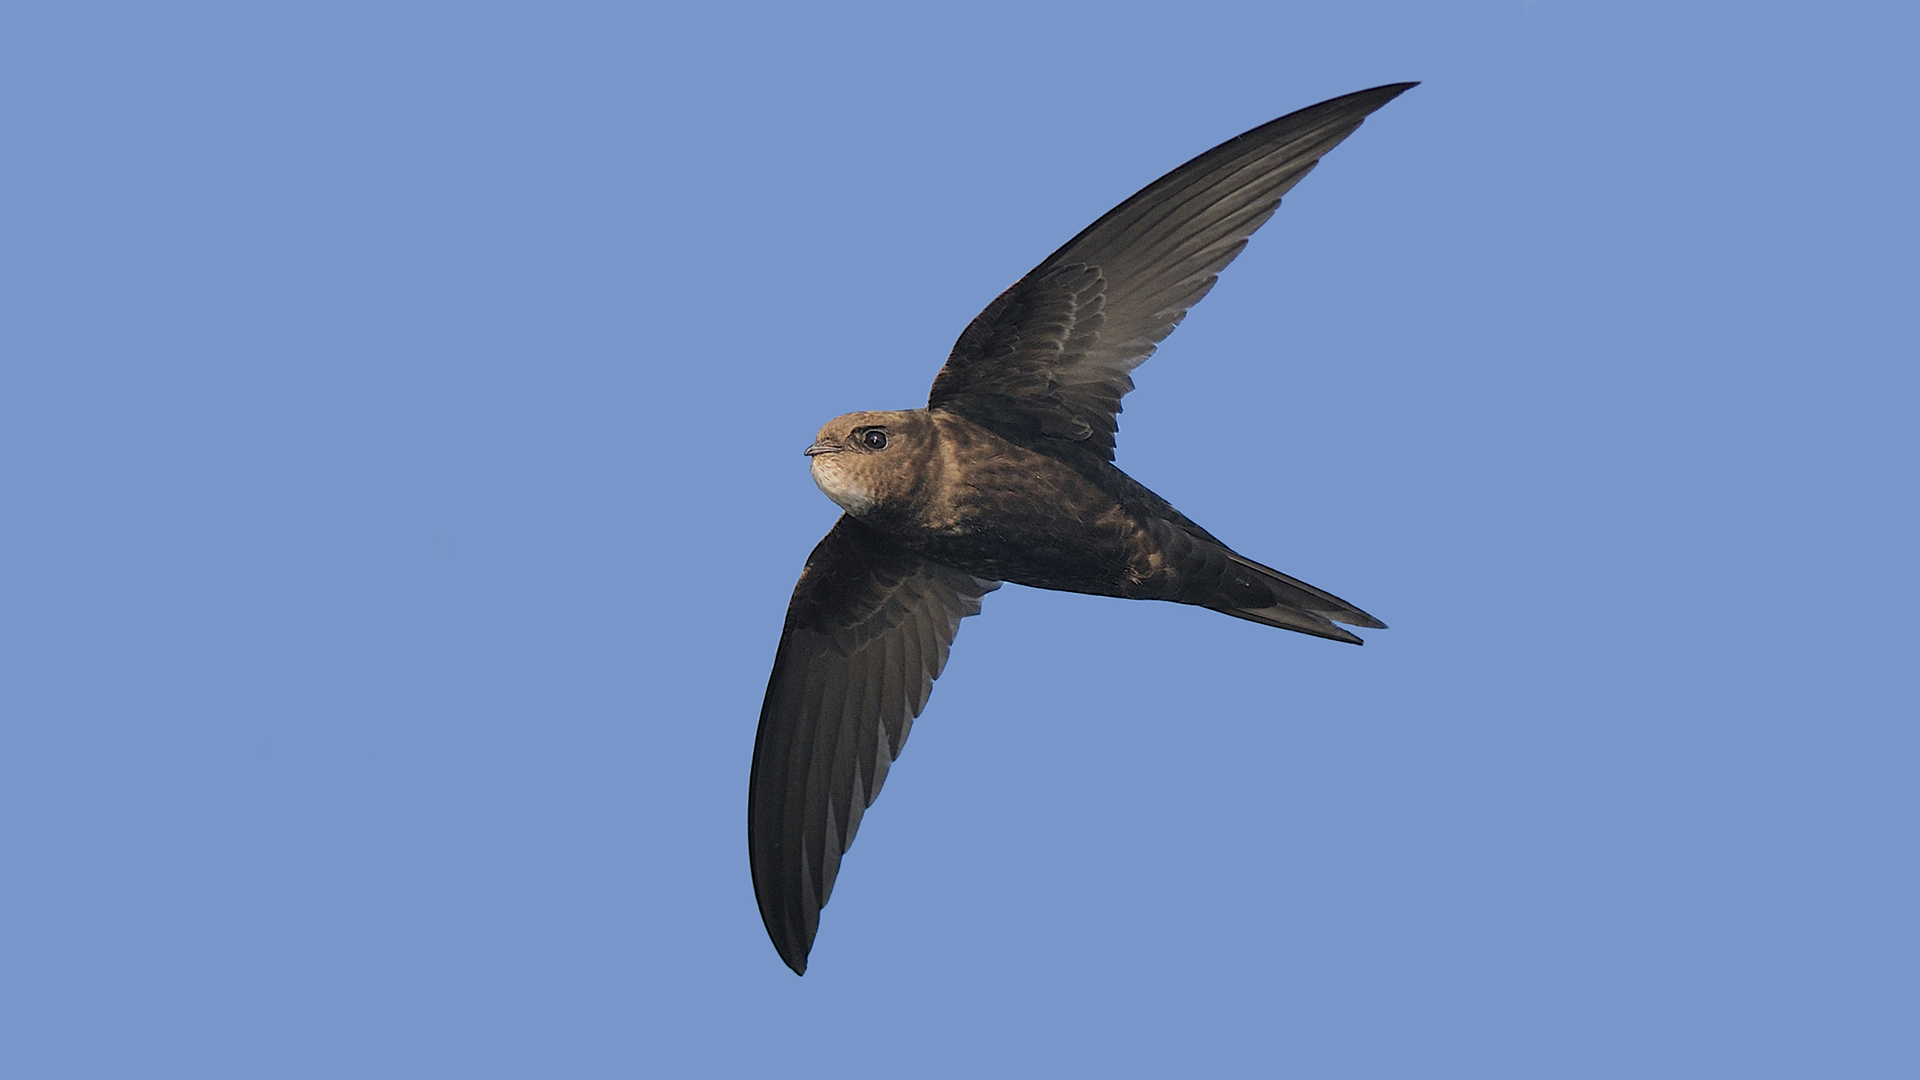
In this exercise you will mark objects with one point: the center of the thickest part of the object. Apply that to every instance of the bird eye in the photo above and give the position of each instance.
(875, 439)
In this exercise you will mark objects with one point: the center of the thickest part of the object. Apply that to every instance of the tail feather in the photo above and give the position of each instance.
(1264, 595)
(1207, 573)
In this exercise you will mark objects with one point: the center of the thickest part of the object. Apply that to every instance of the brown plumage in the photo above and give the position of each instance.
(1008, 475)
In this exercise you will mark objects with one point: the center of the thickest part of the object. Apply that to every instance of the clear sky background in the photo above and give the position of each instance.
(400, 427)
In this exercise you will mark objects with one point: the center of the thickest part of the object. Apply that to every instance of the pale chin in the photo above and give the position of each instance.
(834, 485)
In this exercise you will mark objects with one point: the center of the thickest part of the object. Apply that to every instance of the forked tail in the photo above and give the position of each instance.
(1248, 590)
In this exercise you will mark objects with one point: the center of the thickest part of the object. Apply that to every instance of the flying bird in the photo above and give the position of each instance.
(1008, 475)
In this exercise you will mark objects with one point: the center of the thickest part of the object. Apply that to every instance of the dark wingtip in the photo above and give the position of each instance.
(793, 943)
(793, 951)
(1383, 93)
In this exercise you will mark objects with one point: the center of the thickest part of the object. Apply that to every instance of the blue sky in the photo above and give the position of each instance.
(400, 433)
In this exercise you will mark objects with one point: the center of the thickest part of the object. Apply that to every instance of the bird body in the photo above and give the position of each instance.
(953, 491)
(1007, 475)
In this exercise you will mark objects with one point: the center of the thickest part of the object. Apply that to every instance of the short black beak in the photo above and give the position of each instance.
(823, 447)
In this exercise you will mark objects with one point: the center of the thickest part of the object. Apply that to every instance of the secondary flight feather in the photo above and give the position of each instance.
(1008, 475)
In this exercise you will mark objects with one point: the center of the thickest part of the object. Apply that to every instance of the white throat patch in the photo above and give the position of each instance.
(837, 486)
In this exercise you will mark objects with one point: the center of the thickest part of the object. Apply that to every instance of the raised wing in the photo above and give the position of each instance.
(867, 633)
(1050, 356)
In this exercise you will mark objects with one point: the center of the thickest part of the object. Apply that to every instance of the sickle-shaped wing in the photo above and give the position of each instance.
(1051, 355)
(867, 633)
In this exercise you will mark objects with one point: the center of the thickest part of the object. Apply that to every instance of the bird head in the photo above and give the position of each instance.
(868, 460)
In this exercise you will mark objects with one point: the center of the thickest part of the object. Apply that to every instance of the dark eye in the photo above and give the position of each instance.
(875, 439)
